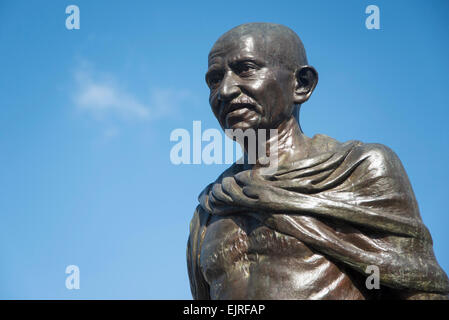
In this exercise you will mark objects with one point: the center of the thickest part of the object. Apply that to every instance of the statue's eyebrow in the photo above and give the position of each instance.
(215, 60)
(240, 59)
(214, 68)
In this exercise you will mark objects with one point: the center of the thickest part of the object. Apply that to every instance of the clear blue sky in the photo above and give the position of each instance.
(86, 116)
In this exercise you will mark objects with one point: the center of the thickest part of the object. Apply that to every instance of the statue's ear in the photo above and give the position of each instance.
(306, 80)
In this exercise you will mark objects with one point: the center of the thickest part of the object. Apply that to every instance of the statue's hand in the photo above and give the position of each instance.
(229, 193)
(249, 178)
(255, 187)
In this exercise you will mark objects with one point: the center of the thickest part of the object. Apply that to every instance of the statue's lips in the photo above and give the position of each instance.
(239, 112)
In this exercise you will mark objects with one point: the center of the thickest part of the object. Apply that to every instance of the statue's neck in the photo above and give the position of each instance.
(292, 144)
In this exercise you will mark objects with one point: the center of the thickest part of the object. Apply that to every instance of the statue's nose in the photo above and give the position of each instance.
(229, 88)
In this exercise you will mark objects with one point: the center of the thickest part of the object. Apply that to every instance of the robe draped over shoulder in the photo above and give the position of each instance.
(351, 201)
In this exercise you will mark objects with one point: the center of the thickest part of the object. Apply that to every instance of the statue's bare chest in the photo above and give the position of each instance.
(243, 259)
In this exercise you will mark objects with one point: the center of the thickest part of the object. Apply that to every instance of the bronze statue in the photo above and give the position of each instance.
(310, 229)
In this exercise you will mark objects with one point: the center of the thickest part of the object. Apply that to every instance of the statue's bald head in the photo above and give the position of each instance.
(280, 44)
(258, 76)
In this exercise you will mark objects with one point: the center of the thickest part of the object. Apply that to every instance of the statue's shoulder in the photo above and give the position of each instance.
(378, 153)
(380, 160)
(375, 151)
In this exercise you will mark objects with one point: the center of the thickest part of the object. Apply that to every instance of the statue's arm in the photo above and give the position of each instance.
(198, 285)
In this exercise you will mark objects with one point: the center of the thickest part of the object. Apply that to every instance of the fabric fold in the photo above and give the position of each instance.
(352, 203)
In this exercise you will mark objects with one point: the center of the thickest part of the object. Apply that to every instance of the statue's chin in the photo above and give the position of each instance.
(243, 125)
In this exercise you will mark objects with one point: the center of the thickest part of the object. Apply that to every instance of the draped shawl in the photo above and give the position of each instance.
(349, 201)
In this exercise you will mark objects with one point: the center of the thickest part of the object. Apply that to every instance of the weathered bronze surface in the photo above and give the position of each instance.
(309, 230)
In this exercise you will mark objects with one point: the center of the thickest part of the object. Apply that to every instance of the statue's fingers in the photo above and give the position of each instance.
(249, 177)
(231, 188)
(243, 178)
(218, 193)
(251, 192)
(212, 201)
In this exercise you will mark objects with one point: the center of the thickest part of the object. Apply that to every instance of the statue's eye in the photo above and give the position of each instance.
(245, 69)
(213, 79)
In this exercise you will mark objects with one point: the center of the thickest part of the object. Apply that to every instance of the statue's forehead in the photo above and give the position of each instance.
(235, 47)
